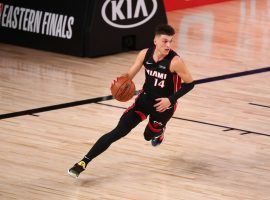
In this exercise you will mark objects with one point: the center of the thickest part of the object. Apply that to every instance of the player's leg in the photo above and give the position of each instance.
(127, 122)
(155, 128)
(130, 119)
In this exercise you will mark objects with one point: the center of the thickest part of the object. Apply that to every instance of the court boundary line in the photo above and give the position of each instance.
(226, 128)
(255, 104)
(109, 97)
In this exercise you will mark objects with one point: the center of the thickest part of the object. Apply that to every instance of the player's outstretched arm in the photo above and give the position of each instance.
(135, 68)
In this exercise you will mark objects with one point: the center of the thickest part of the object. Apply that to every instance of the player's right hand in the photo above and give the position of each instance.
(114, 80)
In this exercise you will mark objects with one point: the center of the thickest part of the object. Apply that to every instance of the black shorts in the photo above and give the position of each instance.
(144, 107)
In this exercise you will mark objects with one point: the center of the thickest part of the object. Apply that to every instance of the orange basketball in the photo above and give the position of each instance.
(123, 89)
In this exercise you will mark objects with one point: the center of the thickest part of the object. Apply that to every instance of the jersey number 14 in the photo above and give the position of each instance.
(159, 83)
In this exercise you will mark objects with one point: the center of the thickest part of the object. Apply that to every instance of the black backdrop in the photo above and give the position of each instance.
(82, 28)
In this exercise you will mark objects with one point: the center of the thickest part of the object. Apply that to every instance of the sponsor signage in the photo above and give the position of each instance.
(86, 28)
(44, 25)
(121, 25)
(36, 21)
(128, 13)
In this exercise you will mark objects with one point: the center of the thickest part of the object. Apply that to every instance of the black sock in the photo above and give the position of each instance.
(86, 160)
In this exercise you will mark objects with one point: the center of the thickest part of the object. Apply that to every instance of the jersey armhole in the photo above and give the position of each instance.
(148, 54)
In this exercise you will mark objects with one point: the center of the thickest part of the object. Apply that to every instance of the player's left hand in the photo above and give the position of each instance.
(162, 105)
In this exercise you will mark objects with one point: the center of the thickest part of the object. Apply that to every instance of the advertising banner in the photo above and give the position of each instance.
(82, 28)
(50, 25)
(123, 25)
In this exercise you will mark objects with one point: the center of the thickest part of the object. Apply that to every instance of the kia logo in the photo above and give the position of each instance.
(128, 13)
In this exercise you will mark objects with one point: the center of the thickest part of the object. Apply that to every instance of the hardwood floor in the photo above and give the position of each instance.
(217, 146)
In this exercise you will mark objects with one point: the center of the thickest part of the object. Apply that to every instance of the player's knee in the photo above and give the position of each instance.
(126, 123)
(150, 132)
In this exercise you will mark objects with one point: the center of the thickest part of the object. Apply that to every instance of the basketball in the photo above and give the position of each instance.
(123, 89)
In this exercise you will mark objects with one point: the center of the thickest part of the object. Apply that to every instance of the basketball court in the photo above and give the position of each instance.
(53, 108)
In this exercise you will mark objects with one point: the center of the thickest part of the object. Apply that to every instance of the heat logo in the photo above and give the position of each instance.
(128, 13)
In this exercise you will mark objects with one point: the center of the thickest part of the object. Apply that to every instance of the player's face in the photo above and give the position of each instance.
(163, 43)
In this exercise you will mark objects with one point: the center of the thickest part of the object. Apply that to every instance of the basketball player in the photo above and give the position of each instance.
(164, 73)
